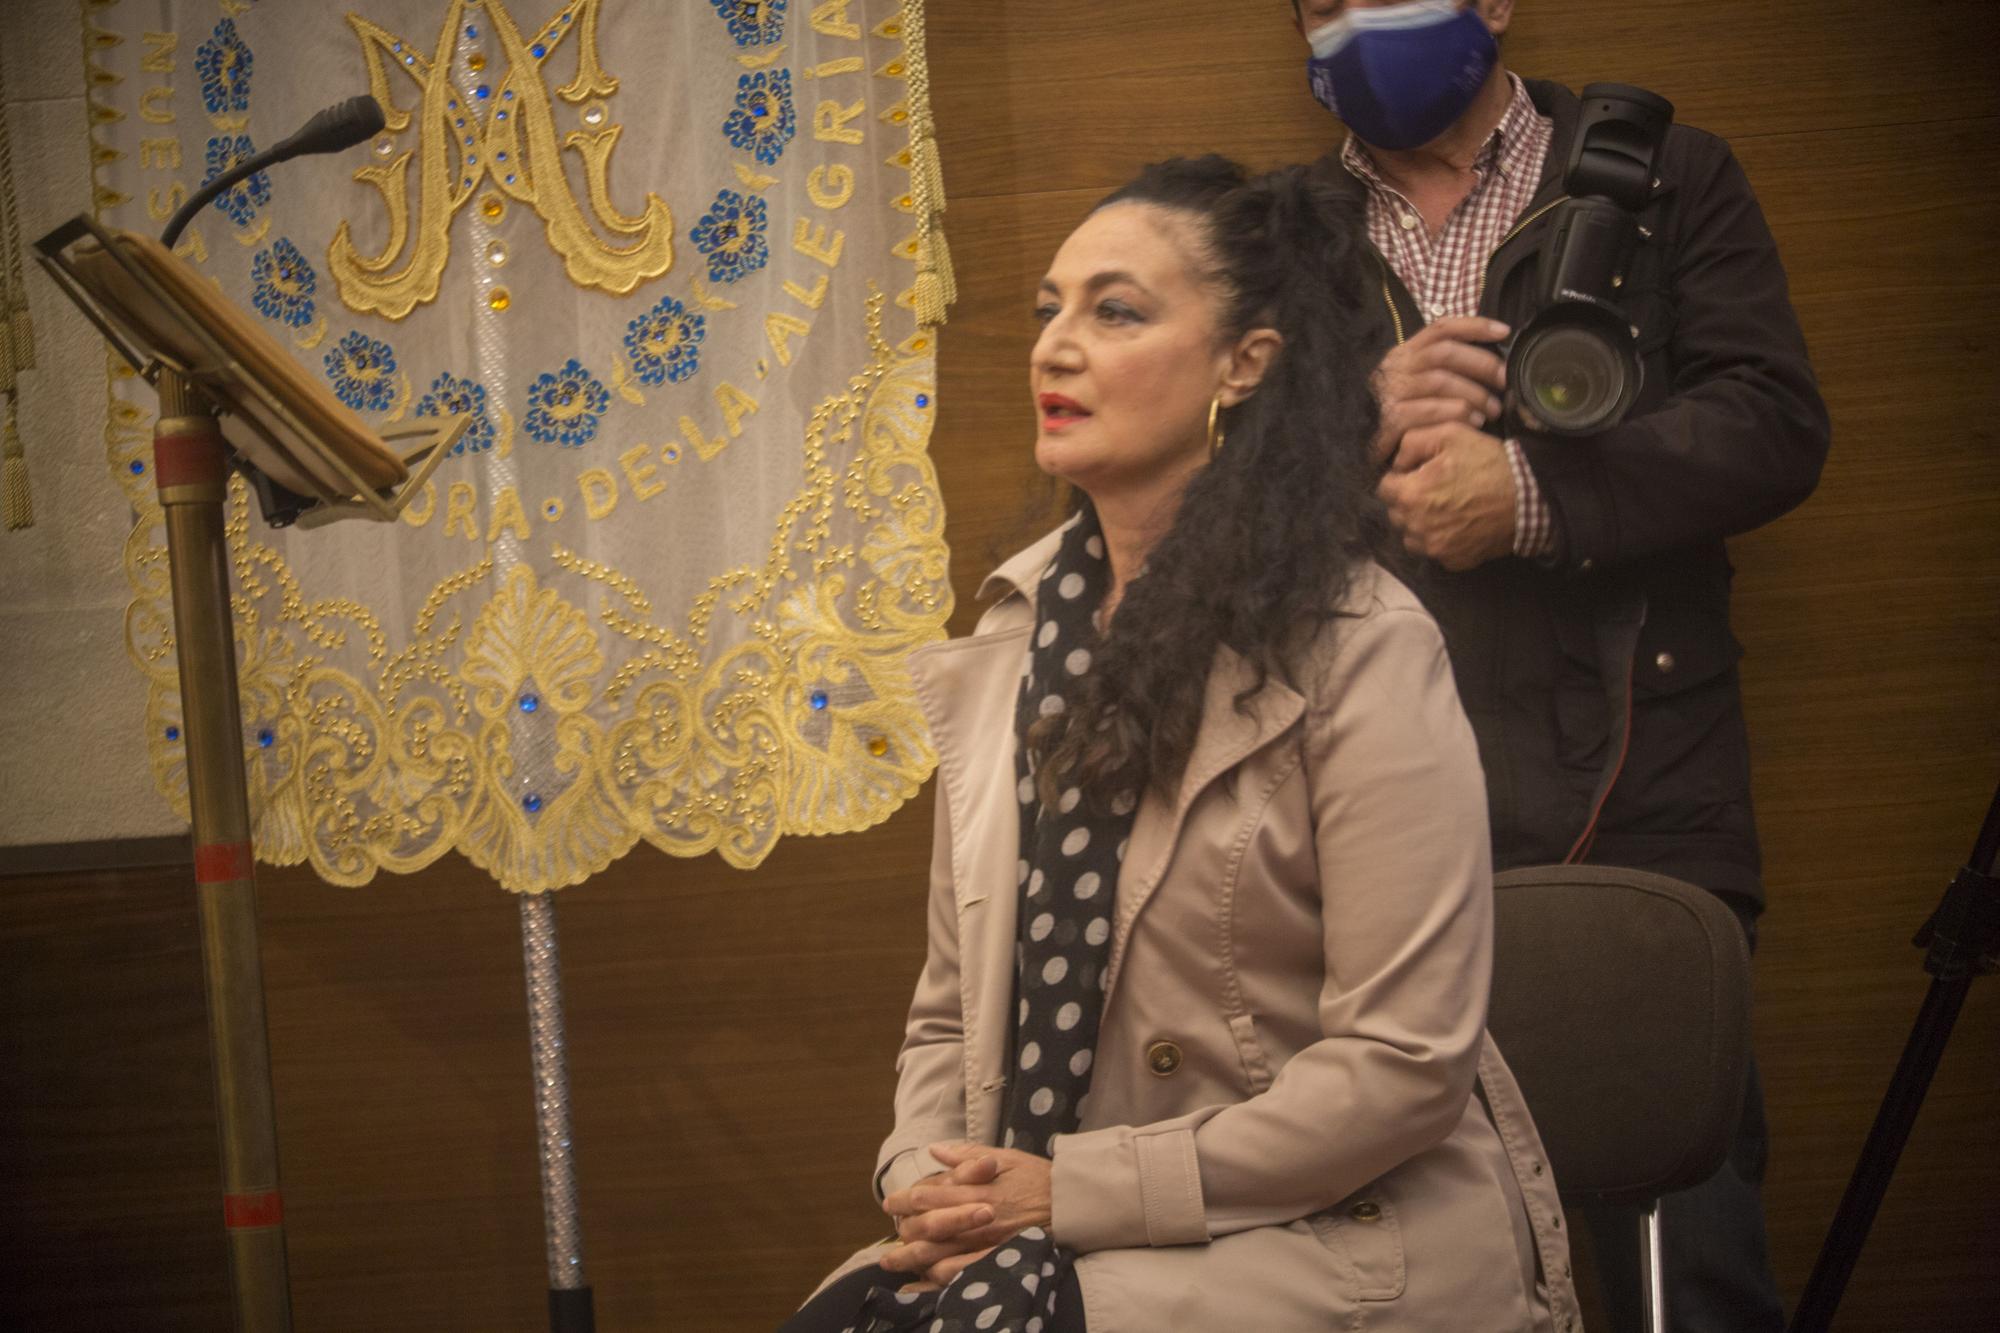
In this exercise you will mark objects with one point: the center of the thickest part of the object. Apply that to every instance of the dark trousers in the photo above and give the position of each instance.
(1717, 1266)
(833, 1310)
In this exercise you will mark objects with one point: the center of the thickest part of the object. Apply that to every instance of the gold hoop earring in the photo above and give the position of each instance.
(1216, 437)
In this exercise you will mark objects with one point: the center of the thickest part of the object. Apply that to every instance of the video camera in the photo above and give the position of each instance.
(1573, 365)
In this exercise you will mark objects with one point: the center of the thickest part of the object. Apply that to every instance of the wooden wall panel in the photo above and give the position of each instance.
(107, 1127)
(732, 1034)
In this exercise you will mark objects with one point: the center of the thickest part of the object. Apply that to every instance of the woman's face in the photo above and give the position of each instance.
(1129, 356)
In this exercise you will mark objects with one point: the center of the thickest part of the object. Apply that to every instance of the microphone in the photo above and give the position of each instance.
(339, 126)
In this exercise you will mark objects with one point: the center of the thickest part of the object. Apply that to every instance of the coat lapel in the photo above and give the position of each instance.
(1226, 738)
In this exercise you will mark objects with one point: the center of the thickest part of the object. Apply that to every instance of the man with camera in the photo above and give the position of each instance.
(1593, 377)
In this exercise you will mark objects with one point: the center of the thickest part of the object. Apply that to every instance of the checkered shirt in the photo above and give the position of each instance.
(1445, 272)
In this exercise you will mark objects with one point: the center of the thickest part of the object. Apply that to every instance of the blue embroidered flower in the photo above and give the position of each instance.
(451, 396)
(566, 407)
(731, 234)
(223, 65)
(763, 121)
(285, 284)
(363, 372)
(241, 200)
(665, 343)
(754, 22)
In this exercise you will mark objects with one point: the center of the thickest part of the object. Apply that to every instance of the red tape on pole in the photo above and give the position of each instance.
(266, 1208)
(188, 460)
(220, 862)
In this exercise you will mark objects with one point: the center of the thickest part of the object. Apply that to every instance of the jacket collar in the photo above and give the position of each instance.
(1565, 109)
(1020, 572)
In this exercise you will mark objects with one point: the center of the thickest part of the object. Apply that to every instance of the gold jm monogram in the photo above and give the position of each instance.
(503, 131)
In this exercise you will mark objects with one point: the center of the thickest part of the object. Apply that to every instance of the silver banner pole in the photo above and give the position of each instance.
(569, 1294)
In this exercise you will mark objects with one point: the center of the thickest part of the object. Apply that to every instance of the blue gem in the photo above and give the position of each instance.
(531, 803)
(471, 160)
(510, 178)
(265, 736)
(397, 47)
(502, 156)
(500, 115)
(507, 96)
(468, 182)
(538, 50)
(173, 733)
(923, 400)
(460, 122)
(818, 700)
(137, 467)
(530, 702)
(409, 60)
(471, 31)
(482, 92)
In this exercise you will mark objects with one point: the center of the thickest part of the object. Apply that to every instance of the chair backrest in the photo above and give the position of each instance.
(1621, 1000)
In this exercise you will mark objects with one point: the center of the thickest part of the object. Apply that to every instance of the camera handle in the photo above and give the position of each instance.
(1963, 939)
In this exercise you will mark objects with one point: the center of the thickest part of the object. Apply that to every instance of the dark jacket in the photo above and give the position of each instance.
(1614, 663)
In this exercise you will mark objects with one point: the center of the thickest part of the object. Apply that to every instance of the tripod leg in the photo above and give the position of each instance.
(190, 465)
(1893, 1123)
(1962, 935)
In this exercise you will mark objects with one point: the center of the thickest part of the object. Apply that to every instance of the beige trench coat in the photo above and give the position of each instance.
(1288, 1126)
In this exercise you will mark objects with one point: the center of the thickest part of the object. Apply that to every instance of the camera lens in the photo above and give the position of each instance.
(1574, 380)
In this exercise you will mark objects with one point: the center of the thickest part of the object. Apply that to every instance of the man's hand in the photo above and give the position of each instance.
(948, 1221)
(1451, 494)
(1443, 374)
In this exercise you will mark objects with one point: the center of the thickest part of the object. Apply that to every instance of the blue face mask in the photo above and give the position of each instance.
(1399, 76)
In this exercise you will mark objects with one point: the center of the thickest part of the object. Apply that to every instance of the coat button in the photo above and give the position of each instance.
(1366, 1211)
(1163, 1058)
(1665, 662)
(1586, 564)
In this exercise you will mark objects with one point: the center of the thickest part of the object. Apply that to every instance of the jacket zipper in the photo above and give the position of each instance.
(1516, 230)
(1388, 299)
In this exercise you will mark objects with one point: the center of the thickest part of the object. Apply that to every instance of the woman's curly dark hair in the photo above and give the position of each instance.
(1269, 535)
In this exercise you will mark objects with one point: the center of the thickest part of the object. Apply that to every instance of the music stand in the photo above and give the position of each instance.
(230, 397)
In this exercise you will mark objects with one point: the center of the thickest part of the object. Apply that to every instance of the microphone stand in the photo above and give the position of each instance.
(191, 462)
(1962, 936)
(198, 558)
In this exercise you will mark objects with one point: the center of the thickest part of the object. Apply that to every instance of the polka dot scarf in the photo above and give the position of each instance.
(1068, 875)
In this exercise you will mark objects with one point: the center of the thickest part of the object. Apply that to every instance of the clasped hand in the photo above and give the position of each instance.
(1448, 488)
(953, 1217)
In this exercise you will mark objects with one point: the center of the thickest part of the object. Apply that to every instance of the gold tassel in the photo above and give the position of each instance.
(941, 262)
(928, 299)
(23, 340)
(16, 504)
(933, 167)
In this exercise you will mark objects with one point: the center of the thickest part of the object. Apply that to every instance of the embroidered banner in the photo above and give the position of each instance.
(679, 262)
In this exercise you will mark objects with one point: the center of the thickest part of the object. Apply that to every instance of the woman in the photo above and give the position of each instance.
(1197, 1042)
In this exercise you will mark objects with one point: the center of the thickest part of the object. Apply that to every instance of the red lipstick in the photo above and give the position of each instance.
(1059, 410)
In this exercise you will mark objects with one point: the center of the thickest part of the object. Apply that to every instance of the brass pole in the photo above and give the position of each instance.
(191, 470)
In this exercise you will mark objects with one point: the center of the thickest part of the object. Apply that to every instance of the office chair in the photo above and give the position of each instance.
(1621, 1000)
